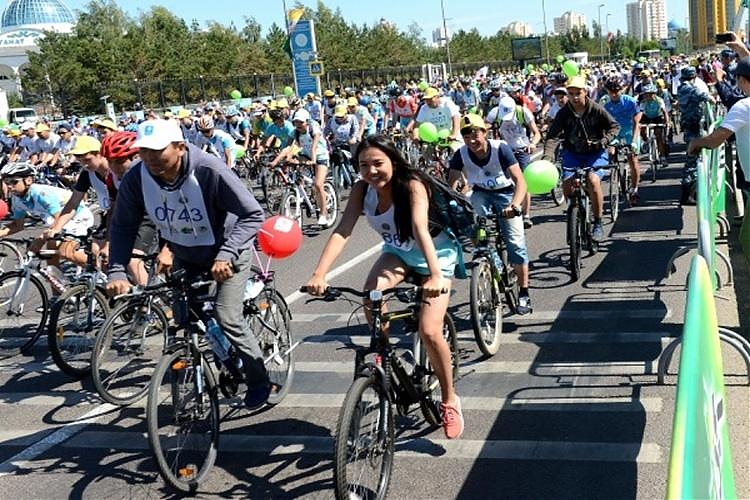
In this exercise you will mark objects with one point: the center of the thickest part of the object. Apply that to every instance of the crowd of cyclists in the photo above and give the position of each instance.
(169, 182)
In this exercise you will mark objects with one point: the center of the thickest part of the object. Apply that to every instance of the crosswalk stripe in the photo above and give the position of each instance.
(462, 449)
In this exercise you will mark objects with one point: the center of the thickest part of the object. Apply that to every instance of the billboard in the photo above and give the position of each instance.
(525, 49)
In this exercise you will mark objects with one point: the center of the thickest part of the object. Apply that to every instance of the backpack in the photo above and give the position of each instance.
(453, 213)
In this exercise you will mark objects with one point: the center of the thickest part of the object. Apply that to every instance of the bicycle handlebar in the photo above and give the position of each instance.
(332, 293)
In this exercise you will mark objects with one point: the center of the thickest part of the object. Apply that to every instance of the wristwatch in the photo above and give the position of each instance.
(517, 212)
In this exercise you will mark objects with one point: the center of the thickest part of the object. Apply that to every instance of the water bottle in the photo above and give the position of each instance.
(253, 287)
(217, 340)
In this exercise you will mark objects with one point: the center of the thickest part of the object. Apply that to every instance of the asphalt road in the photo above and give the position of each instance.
(569, 407)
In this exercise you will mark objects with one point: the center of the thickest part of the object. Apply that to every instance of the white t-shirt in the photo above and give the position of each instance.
(738, 121)
(47, 145)
(441, 116)
(511, 130)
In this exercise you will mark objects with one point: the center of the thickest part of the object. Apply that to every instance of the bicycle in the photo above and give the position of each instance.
(77, 314)
(342, 174)
(619, 179)
(492, 278)
(298, 200)
(652, 143)
(24, 299)
(365, 431)
(182, 410)
(578, 223)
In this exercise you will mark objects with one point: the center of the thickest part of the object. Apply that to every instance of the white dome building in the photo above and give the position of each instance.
(21, 24)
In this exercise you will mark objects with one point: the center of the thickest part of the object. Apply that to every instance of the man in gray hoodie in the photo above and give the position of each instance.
(209, 220)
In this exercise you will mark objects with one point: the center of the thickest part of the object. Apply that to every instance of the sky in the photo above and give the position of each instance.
(488, 16)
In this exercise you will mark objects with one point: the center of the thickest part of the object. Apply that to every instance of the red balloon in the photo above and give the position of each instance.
(279, 237)
(3, 209)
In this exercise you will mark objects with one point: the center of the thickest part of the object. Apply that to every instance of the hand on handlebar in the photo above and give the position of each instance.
(118, 287)
(316, 285)
(435, 286)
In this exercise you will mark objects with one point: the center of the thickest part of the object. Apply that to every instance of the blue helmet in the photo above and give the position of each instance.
(688, 73)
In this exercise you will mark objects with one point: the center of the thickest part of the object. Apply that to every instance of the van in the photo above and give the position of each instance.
(21, 115)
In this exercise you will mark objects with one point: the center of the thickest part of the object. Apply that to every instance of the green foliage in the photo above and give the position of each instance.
(160, 59)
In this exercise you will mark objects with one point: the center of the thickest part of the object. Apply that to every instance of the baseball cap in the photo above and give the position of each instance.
(42, 127)
(430, 93)
(183, 113)
(301, 115)
(106, 123)
(339, 111)
(85, 144)
(506, 108)
(158, 134)
(329, 93)
(27, 126)
(577, 82)
(352, 101)
(472, 120)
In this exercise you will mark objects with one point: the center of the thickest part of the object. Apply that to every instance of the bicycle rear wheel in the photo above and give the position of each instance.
(364, 442)
(126, 351)
(332, 203)
(558, 196)
(269, 320)
(614, 193)
(74, 321)
(291, 206)
(183, 423)
(429, 382)
(486, 309)
(23, 312)
(653, 155)
(574, 242)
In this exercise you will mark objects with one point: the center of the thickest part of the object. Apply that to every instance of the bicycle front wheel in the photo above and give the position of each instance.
(291, 206)
(364, 442)
(74, 322)
(486, 309)
(654, 156)
(558, 196)
(23, 312)
(574, 242)
(332, 203)
(269, 319)
(614, 193)
(429, 381)
(126, 351)
(10, 256)
(183, 419)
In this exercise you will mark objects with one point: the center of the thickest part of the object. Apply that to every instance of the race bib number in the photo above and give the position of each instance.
(394, 241)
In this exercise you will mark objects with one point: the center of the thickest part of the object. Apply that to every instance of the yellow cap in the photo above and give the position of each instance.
(352, 101)
(42, 127)
(430, 92)
(105, 123)
(85, 144)
(167, 114)
(183, 113)
(282, 103)
(577, 82)
(329, 93)
(473, 120)
(339, 111)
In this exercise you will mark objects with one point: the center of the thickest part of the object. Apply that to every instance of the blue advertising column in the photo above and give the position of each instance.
(304, 51)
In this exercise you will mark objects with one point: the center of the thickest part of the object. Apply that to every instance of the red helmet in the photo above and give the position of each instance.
(119, 145)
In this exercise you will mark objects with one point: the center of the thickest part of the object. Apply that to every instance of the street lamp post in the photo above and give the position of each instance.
(601, 40)
(446, 38)
(606, 23)
(546, 33)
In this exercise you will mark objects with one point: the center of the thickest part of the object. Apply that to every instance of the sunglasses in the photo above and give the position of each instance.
(471, 131)
(12, 182)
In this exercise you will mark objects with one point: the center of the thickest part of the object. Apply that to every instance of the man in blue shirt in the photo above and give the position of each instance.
(624, 108)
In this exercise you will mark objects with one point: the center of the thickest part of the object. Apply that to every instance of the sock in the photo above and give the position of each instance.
(523, 291)
(597, 220)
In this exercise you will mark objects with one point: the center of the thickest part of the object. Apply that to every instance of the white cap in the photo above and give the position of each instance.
(158, 134)
(301, 115)
(506, 108)
(27, 125)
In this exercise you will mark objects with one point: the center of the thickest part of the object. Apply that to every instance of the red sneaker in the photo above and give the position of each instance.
(453, 419)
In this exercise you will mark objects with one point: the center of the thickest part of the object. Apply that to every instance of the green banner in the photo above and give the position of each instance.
(700, 461)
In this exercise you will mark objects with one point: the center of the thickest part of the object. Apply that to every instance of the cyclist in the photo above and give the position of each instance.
(366, 122)
(40, 201)
(209, 220)
(440, 111)
(309, 141)
(394, 198)
(342, 128)
(585, 129)
(45, 150)
(314, 107)
(514, 123)
(494, 175)
(402, 110)
(238, 127)
(624, 108)
(655, 112)
(215, 141)
(277, 134)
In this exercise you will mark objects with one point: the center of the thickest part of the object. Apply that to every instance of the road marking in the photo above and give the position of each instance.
(436, 449)
(22, 459)
(295, 296)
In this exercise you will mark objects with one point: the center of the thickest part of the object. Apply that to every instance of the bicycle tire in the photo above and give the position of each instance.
(486, 309)
(21, 327)
(557, 193)
(172, 398)
(654, 156)
(574, 242)
(71, 340)
(10, 256)
(271, 305)
(332, 203)
(614, 193)
(429, 382)
(377, 443)
(291, 206)
(123, 360)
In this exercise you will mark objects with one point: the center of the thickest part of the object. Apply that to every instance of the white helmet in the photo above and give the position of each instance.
(18, 169)
(301, 115)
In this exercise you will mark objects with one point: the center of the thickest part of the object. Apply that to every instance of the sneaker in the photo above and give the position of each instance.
(634, 198)
(322, 221)
(453, 419)
(527, 224)
(597, 233)
(524, 305)
(256, 398)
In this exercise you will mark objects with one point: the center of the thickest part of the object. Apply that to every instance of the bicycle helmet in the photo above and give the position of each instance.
(688, 73)
(276, 114)
(649, 89)
(119, 145)
(613, 83)
(364, 100)
(18, 169)
(205, 123)
(557, 78)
